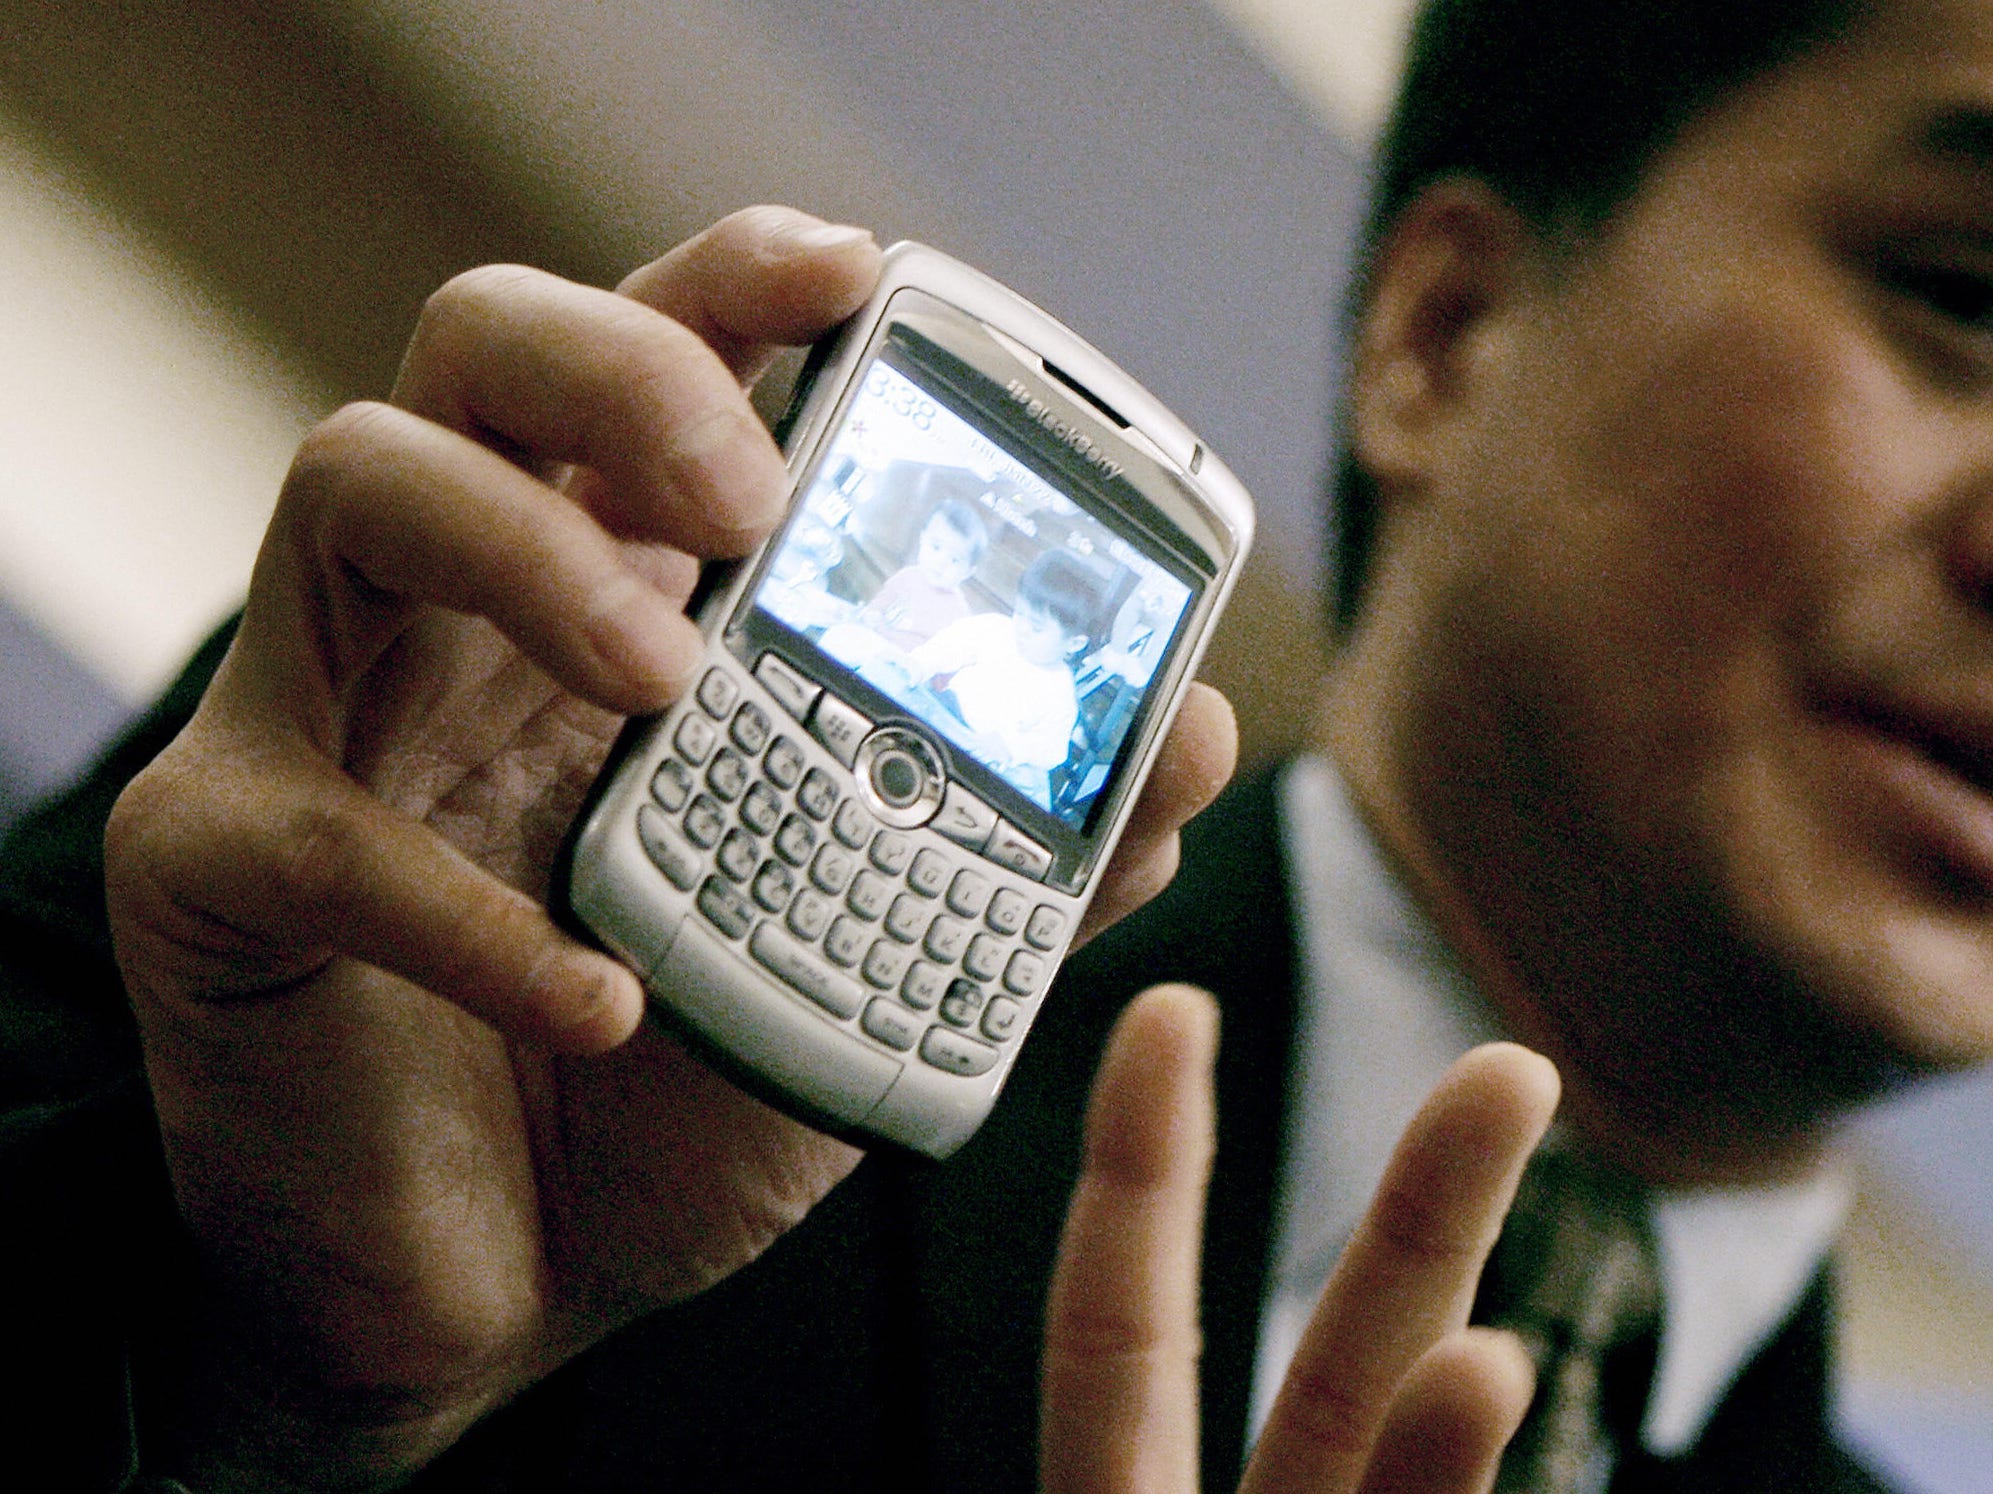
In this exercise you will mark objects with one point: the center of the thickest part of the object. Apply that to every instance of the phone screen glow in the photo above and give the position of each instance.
(933, 562)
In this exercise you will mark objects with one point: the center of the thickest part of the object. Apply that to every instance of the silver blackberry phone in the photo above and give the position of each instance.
(847, 864)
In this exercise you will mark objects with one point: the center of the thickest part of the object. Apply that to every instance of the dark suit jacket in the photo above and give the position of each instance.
(889, 1342)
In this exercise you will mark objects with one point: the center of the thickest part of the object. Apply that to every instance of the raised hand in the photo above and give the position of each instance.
(1390, 1390)
(425, 1151)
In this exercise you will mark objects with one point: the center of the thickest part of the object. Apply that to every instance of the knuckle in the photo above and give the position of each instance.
(699, 447)
(654, 367)
(1089, 1334)
(1423, 1232)
(175, 921)
(457, 316)
(1327, 1414)
(326, 456)
(749, 230)
(336, 467)
(673, 393)
(467, 296)
(137, 834)
(321, 853)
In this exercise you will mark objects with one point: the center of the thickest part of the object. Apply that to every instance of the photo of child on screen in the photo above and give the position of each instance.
(985, 604)
(920, 599)
(1008, 680)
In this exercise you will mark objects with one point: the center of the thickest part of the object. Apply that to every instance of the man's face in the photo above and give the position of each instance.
(1708, 656)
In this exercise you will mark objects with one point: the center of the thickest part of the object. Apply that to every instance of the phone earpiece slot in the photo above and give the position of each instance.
(1084, 393)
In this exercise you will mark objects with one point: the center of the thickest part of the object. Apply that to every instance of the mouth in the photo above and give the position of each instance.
(1922, 772)
(1953, 746)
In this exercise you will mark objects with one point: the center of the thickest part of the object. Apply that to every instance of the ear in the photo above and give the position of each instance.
(1448, 268)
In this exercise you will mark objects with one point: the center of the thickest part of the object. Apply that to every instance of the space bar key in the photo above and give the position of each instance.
(793, 963)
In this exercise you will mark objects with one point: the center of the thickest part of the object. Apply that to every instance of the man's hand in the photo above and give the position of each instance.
(1390, 1389)
(424, 1149)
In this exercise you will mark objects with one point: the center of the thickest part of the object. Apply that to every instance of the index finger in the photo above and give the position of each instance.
(1119, 1395)
(641, 391)
(759, 279)
(1408, 1276)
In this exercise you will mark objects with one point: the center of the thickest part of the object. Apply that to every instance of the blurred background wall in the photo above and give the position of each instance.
(219, 218)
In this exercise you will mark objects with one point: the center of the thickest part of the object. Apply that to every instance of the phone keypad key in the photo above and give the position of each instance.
(984, 958)
(929, 873)
(792, 691)
(1046, 928)
(737, 855)
(784, 763)
(892, 1024)
(839, 728)
(750, 729)
(956, 1054)
(1000, 1018)
(924, 986)
(968, 892)
(717, 692)
(1011, 847)
(853, 825)
(761, 808)
(963, 1003)
(810, 914)
(671, 784)
(831, 871)
(909, 935)
(818, 794)
(794, 964)
(773, 886)
(906, 919)
(704, 823)
(727, 777)
(681, 865)
(871, 894)
(946, 939)
(1006, 912)
(725, 907)
(695, 738)
(794, 840)
(964, 818)
(1024, 973)
(891, 851)
(885, 963)
(846, 941)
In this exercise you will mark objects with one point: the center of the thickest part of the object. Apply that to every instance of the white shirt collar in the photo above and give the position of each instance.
(1386, 1009)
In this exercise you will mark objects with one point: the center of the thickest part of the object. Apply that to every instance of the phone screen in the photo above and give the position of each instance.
(975, 583)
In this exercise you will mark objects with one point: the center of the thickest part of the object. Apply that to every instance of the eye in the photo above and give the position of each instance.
(1960, 294)
(1935, 294)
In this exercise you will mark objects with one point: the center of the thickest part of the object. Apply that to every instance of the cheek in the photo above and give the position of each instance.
(1707, 496)
(1753, 473)
(1741, 486)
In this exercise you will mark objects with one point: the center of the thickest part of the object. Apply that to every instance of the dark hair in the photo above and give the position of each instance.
(1560, 106)
(1067, 588)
